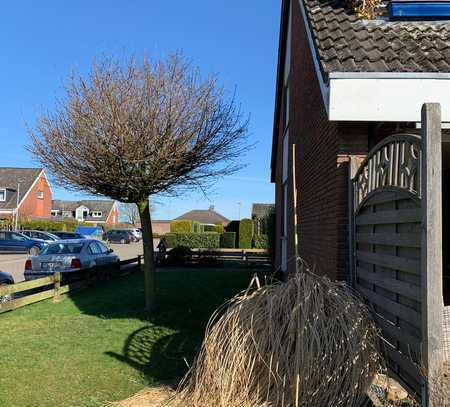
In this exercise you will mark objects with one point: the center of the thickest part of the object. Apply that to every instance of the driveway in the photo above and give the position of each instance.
(14, 263)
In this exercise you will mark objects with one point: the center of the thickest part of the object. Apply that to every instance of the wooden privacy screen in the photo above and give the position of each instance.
(387, 242)
(396, 256)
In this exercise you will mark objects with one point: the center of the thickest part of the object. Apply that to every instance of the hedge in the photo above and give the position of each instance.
(261, 242)
(196, 227)
(209, 240)
(233, 226)
(68, 225)
(246, 231)
(181, 226)
(219, 228)
(228, 240)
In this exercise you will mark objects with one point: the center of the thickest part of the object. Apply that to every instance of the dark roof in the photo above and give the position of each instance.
(261, 210)
(103, 205)
(346, 43)
(10, 177)
(206, 216)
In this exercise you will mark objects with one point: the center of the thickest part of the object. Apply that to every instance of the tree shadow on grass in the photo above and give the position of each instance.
(164, 347)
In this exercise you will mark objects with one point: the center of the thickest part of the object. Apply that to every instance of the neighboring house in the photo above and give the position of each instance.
(260, 211)
(25, 191)
(205, 217)
(357, 163)
(98, 212)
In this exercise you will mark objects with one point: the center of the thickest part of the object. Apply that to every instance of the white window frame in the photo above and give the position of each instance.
(97, 214)
(40, 195)
(4, 194)
(54, 212)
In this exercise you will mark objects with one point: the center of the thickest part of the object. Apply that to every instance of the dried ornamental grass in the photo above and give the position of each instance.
(307, 342)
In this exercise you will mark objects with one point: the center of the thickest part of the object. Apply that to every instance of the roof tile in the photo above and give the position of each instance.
(346, 43)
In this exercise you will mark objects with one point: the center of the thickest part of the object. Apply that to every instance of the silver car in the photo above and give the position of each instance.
(40, 235)
(68, 256)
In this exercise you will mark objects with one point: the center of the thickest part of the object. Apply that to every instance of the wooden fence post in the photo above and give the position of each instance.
(431, 254)
(57, 285)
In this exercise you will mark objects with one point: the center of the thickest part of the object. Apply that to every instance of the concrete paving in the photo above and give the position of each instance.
(14, 263)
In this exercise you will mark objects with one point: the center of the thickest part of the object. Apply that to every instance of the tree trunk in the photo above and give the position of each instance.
(149, 264)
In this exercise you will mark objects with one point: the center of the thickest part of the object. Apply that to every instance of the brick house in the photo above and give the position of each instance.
(361, 163)
(25, 191)
(98, 212)
(205, 217)
(343, 85)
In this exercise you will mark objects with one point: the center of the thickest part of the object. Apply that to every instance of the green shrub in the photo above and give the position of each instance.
(68, 225)
(209, 240)
(209, 228)
(245, 234)
(233, 226)
(218, 228)
(228, 240)
(181, 226)
(261, 242)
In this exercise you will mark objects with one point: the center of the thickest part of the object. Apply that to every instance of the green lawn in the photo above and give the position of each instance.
(97, 346)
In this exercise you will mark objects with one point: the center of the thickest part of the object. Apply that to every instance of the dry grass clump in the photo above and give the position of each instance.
(307, 342)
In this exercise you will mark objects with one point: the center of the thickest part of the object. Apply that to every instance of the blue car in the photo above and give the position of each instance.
(14, 242)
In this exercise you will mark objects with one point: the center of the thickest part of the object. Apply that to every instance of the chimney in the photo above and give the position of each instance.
(211, 208)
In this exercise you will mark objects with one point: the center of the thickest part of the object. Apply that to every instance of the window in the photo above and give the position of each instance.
(54, 212)
(97, 214)
(40, 195)
(2, 195)
(94, 248)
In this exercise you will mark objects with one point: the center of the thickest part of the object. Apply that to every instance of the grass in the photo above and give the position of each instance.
(98, 346)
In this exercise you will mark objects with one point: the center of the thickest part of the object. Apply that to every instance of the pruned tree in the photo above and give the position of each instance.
(130, 131)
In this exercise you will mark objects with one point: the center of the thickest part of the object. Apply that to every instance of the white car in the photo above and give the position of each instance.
(67, 256)
(137, 234)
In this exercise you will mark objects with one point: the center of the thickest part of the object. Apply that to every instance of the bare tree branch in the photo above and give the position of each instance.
(129, 131)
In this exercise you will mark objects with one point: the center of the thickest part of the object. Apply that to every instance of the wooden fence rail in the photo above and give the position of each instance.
(54, 286)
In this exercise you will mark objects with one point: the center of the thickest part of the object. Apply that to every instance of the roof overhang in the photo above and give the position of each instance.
(387, 97)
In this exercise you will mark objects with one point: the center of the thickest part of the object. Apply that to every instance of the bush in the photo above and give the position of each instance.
(181, 226)
(193, 240)
(245, 234)
(178, 256)
(228, 240)
(261, 242)
(68, 225)
(233, 226)
(218, 228)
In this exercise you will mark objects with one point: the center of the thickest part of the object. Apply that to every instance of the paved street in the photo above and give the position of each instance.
(14, 263)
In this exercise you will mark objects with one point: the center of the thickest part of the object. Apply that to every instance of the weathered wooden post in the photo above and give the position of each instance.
(431, 255)
(57, 286)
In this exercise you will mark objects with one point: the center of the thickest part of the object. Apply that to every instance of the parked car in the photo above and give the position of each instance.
(119, 236)
(90, 232)
(68, 235)
(14, 242)
(70, 256)
(5, 279)
(41, 235)
(137, 234)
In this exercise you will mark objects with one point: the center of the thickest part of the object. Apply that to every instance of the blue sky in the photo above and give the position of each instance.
(41, 41)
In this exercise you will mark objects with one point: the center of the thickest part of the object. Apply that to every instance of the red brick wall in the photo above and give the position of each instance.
(161, 227)
(323, 149)
(113, 216)
(34, 207)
